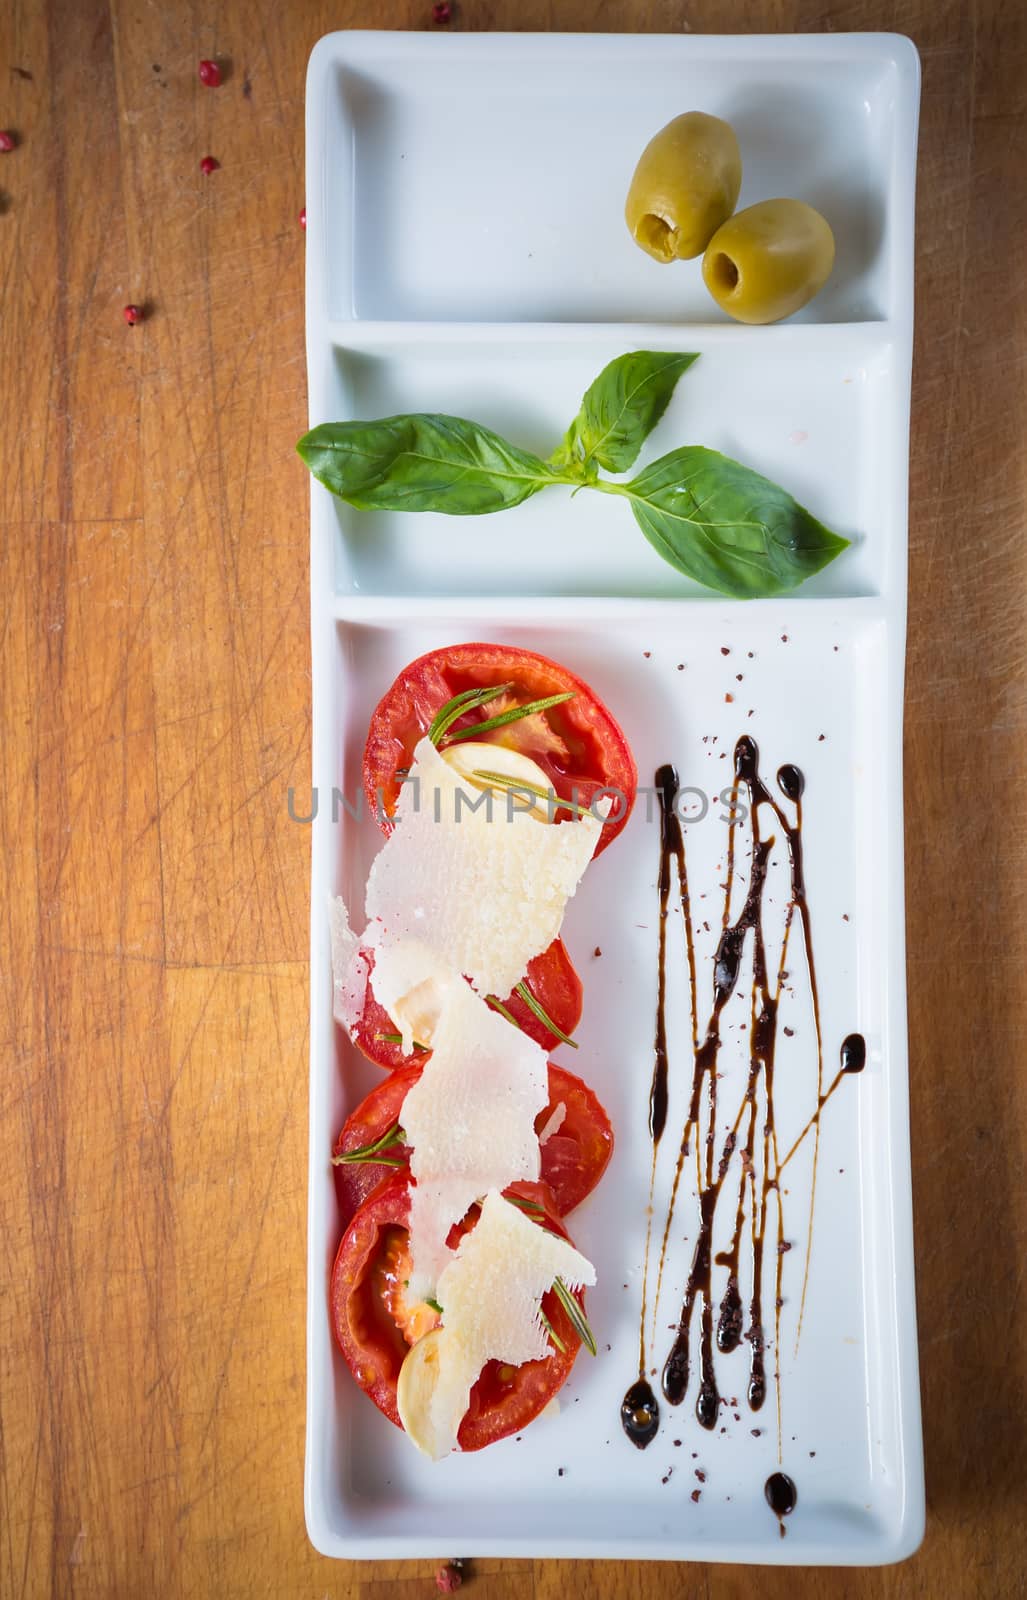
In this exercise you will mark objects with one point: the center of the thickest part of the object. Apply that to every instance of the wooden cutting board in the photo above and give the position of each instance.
(156, 709)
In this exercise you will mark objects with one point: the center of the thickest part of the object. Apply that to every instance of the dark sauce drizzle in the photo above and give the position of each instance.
(782, 1497)
(640, 1409)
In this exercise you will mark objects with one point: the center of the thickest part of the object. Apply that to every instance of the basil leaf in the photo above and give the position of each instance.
(422, 462)
(726, 526)
(620, 410)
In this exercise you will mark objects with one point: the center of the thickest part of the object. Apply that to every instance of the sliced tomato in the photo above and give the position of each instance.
(365, 1301)
(574, 1157)
(577, 743)
(551, 978)
(372, 1118)
(577, 1153)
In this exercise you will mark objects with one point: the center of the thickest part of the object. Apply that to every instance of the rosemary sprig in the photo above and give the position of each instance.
(543, 1016)
(577, 1316)
(397, 1038)
(531, 1206)
(555, 1337)
(497, 1005)
(454, 709)
(372, 1152)
(513, 715)
(503, 781)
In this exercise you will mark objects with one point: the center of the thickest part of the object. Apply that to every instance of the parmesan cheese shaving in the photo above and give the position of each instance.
(349, 967)
(491, 1296)
(469, 1119)
(411, 983)
(554, 1122)
(471, 876)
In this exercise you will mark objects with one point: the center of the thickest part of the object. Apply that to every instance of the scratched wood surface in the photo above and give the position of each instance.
(156, 705)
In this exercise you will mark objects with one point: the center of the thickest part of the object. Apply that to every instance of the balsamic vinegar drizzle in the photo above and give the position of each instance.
(782, 1497)
(755, 1140)
(640, 1411)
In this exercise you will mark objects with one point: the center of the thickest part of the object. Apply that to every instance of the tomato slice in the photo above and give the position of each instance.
(574, 1157)
(363, 1282)
(577, 744)
(551, 978)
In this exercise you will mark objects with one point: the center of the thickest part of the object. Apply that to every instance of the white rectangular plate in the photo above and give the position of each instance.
(480, 177)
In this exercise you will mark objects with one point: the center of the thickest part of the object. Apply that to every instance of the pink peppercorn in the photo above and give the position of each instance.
(303, 219)
(208, 165)
(441, 12)
(132, 315)
(210, 74)
(7, 141)
(448, 1580)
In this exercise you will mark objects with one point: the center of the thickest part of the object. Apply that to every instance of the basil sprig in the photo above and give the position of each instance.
(422, 462)
(620, 410)
(712, 518)
(725, 525)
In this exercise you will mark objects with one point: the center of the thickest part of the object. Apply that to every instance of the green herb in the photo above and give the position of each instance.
(710, 517)
(531, 1206)
(433, 1303)
(620, 410)
(555, 1337)
(546, 1020)
(502, 781)
(497, 1005)
(423, 462)
(577, 1316)
(372, 1152)
(725, 525)
(513, 715)
(397, 1038)
(454, 709)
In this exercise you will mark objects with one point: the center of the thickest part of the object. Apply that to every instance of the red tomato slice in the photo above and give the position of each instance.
(504, 1399)
(551, 977)
(577, 744)
(574, 1158)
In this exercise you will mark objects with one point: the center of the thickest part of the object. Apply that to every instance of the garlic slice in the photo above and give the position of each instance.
(474, 755)
(415, 1390)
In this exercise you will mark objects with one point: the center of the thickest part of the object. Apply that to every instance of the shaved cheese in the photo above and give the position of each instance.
(411, 982)
(491, 1296)
(468, 874)
(349, 967)
(553, 1123)
(469, 1119)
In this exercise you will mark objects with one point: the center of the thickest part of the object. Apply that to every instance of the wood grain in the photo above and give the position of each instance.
(155, 707)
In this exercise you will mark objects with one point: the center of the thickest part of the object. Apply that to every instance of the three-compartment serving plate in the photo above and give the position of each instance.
(467, 253)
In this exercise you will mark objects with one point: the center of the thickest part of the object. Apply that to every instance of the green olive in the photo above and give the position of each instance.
(685, 185)
(769, 260)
